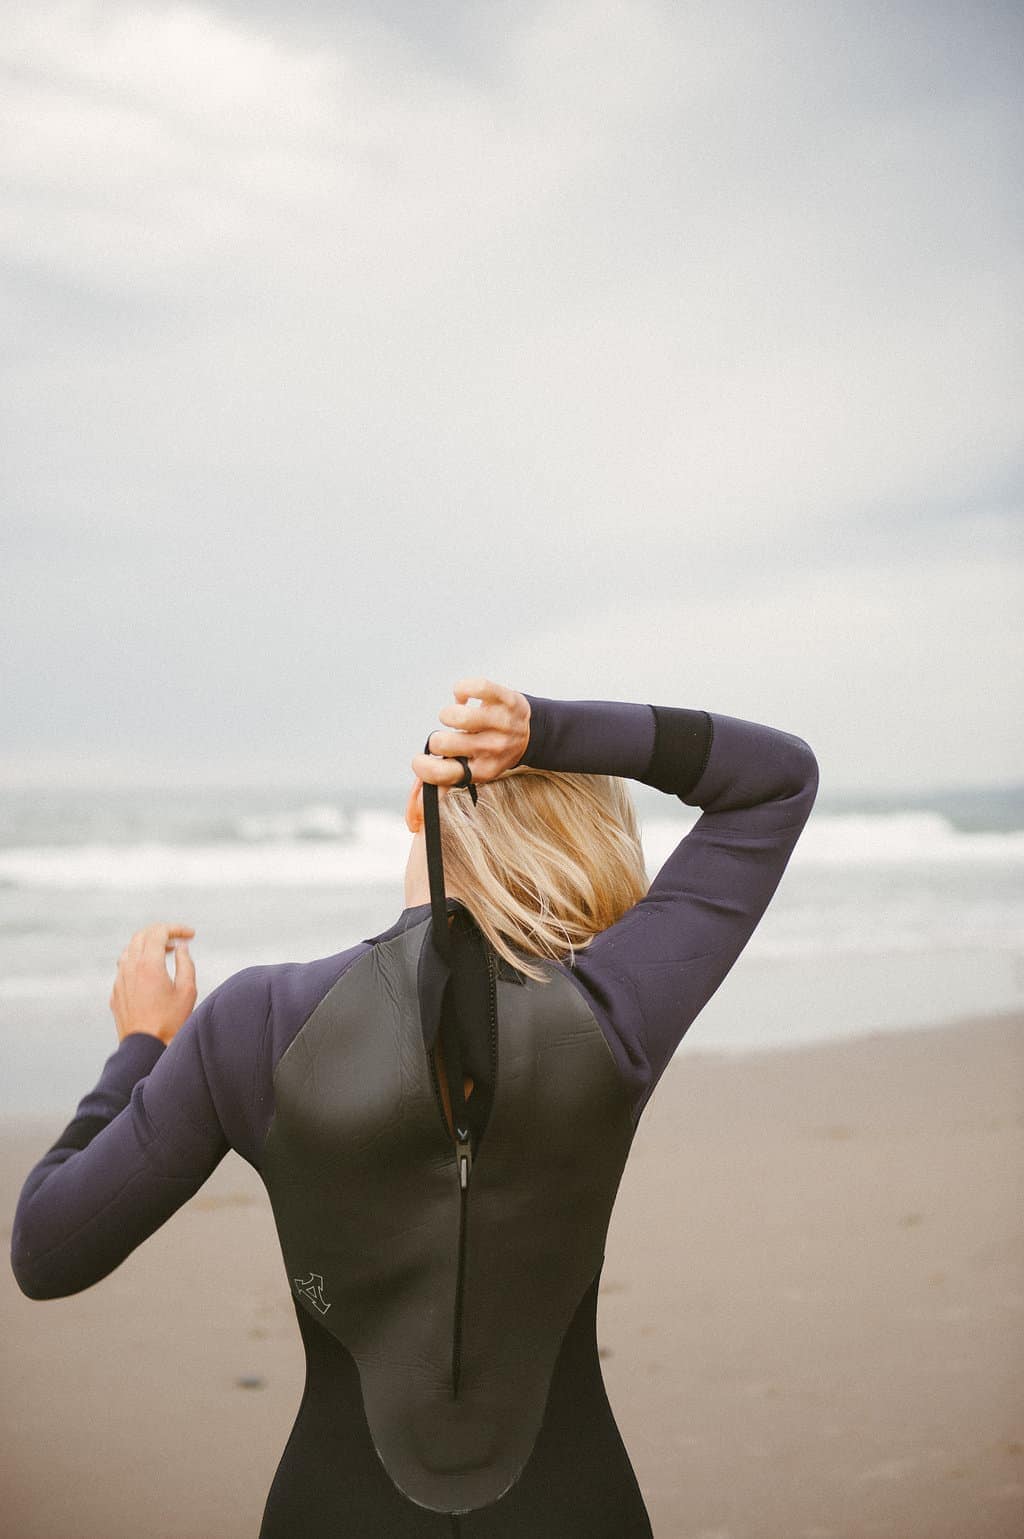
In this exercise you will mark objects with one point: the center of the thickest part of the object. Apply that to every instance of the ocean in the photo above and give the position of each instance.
(893, 912)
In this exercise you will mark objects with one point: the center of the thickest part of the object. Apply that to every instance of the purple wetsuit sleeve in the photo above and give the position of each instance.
(158, 1122)
(649, 975)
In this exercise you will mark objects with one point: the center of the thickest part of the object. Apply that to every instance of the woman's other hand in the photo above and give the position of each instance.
(493, 735)
(144, 996)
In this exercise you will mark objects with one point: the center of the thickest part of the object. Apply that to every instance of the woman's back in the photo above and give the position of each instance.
(452, 1289)
(447, 1308)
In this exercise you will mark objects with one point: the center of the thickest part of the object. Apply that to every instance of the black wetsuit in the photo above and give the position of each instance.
(447, 1306)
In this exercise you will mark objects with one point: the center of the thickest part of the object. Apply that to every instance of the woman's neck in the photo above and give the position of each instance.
(416, 895)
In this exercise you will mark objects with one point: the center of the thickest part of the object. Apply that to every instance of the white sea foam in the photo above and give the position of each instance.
(871, 839)
(319, 847)
(374, 854)
(316, 820)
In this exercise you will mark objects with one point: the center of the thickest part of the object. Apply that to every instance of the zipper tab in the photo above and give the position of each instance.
(464, 1154)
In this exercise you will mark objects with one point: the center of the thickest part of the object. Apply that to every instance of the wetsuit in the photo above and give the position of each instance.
(445, 1290)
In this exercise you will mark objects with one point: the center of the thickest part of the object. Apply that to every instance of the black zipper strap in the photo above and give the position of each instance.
(435, 864)
(467, 776)
(449, 1021)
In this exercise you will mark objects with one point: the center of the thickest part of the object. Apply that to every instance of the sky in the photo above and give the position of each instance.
(648, 351)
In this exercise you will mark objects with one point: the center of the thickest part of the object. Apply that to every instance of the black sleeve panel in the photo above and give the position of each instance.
(682, 744)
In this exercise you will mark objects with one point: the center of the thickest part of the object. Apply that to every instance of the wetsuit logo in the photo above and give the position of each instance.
(312, 1288)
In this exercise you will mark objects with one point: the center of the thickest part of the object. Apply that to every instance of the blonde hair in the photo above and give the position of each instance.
(544, 861)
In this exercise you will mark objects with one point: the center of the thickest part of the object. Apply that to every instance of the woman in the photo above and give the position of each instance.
(441, 1113)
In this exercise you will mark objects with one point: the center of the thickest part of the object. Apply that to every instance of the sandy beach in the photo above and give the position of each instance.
(812, 1319)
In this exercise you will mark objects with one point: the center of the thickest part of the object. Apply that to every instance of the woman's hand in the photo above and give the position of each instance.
(144, 998)
(492, 735)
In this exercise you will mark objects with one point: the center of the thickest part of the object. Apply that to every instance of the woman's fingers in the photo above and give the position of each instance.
(483, 689)
(184, 972)
(144, 998)
(438, 772)
(152, 942)
(156, 939)
(449, 743)
(475, 718)
(492, 734)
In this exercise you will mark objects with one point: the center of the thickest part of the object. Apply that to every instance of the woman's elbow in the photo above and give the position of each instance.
(797, 766)
(41, 1275)
(798, 776)
(46, 1282)
(35, 1283)
(808, 763)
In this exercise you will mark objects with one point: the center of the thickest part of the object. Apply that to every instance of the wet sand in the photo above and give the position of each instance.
(812, 1319)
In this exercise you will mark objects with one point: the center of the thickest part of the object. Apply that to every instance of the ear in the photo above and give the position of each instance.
(414, 808)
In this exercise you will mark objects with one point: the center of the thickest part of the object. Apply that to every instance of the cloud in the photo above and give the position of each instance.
(848, 658)
(380, 316)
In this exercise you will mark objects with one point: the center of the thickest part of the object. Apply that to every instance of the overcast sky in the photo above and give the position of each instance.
(649, 351)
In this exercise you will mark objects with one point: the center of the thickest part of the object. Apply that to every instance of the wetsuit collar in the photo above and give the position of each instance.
(409, 917)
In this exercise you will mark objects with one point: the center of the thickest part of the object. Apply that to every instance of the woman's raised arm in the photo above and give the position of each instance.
(649, 975)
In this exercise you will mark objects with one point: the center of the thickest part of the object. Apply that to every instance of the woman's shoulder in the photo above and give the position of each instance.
(268, 1002)
(294, 989)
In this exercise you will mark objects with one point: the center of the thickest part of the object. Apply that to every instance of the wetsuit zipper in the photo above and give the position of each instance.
(464, 1164)
(464, 1156)
(464, 1167)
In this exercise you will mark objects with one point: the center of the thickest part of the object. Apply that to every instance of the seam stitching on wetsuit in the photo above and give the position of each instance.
(258, 1075)
(629, 1095)
(92, 1218)
(292, 1045)
(594, 1020)
(707, 752)
(371, 947)
(299, 1037)
(154, 1166)
(203, 1132)
(85, 1127)
(654, 747)
(769, 837)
